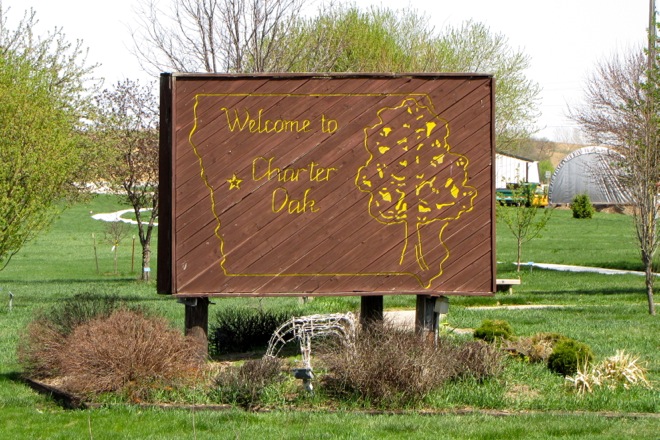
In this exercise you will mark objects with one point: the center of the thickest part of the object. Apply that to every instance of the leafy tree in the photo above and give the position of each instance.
(43, 161)
(372, 40)
(545, 167)
(127, 127)
(473, 48)
(622, 110)
(383, 40)
(535, 149)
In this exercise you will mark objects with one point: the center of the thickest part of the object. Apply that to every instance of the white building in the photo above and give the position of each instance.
(512, 169)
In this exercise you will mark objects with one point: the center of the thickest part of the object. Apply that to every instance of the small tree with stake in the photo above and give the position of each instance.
(525, 220)
(114, 235)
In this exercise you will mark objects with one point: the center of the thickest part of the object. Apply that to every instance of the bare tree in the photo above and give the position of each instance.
(621, 111)
(128, 130)
(216, 35)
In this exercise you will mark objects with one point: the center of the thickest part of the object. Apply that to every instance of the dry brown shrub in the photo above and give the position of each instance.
(390, 366)
(245, 385)
(39, 349)
(126, 350)
(41, 343)
(478, 359)
(537, 348)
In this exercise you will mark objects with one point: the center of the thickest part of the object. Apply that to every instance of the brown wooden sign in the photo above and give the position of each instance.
(343, 184)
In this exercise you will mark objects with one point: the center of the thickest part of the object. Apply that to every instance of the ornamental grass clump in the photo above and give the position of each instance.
(621, 370)
(534, 349)
(94, 345)
(127, 351)
(40, 348)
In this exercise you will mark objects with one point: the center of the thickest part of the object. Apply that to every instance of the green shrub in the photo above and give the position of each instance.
(567, 355)
(492, 330)
(582, 207)
(243, 329)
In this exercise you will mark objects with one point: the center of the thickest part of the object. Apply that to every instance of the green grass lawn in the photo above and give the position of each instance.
(608, 312)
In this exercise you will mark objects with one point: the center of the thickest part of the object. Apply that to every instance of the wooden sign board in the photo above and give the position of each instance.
(326, 185)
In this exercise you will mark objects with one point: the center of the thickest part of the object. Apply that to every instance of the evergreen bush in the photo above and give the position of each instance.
(492, 330)
(567, 355)
(582, 207)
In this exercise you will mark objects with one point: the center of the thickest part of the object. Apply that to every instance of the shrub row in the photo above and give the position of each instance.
(562, 354)
(244, 329)
(98, 344)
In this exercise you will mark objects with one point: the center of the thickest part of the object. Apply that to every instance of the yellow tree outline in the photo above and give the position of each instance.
(385, 179)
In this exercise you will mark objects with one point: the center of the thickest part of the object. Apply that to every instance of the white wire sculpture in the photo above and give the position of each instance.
(304, 329)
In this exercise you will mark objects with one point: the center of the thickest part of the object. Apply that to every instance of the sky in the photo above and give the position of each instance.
(565, 39)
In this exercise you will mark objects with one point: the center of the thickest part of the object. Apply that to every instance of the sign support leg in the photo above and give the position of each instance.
(371, 311)
(426, 317)
(197, 321)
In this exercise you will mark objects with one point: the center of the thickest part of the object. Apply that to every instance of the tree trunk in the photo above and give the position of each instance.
(649, 286)
(519, 252)
(146, 261)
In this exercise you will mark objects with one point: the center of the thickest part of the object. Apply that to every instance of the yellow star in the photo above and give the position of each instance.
(234, 182)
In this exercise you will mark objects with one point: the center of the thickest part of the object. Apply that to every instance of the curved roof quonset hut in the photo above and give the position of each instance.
(591, 171)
